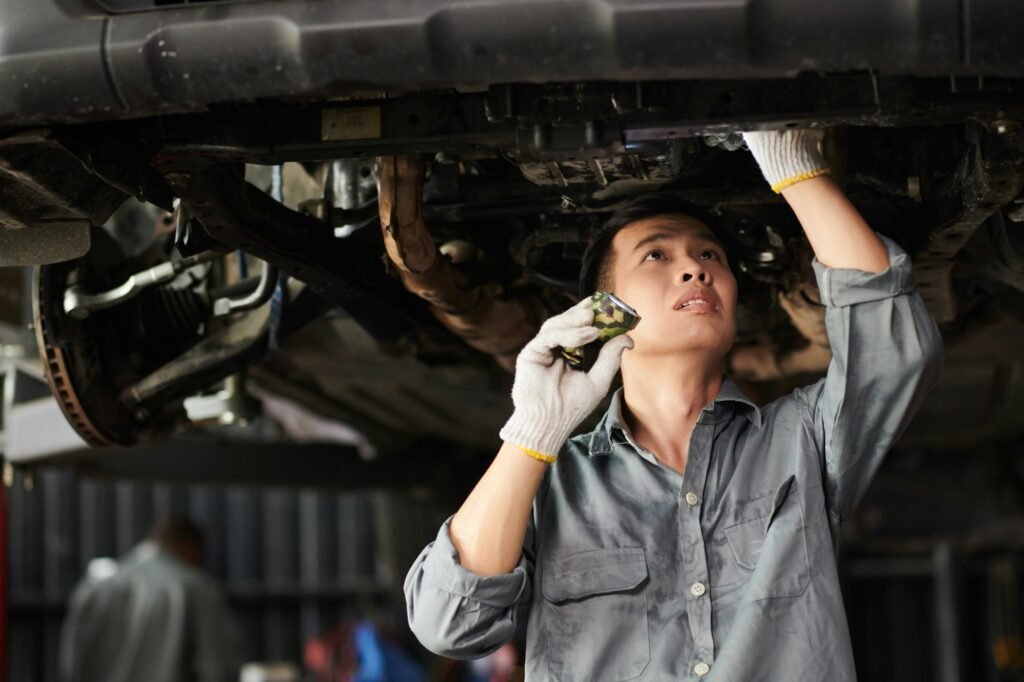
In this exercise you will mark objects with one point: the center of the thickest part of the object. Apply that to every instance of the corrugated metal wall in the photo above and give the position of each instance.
(293, 562)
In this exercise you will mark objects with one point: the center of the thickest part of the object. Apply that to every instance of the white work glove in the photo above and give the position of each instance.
(551, 399)
(787, 157)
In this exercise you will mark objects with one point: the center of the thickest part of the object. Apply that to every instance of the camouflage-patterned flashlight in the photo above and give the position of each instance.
(612, 317)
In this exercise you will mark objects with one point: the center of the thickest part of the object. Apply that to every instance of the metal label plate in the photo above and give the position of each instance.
(355, 123)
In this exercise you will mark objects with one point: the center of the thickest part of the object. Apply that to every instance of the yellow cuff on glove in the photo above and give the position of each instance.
(547, 459)
(800, 177)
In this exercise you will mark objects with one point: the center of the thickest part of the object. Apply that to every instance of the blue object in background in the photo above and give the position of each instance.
(382, 661)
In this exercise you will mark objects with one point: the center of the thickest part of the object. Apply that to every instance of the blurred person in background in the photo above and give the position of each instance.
(154, 615)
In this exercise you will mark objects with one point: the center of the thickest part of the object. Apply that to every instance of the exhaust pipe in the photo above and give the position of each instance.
(497, 326)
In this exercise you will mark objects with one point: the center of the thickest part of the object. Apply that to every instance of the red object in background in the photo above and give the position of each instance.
(3, 583)
(332, 656)
(504, 662)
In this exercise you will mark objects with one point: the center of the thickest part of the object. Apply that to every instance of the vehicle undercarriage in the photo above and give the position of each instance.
(263, 221)
(198, 185)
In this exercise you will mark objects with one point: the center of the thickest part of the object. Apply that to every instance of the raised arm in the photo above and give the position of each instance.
(886, 349)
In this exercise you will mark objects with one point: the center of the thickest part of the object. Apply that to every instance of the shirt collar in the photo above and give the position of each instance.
(613, 429)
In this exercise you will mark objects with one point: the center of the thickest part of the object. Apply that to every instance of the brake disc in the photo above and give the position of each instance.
(89, 361)
(71, 360)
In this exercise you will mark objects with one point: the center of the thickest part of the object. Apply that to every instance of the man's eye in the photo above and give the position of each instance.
(708, 255)
(657, 254)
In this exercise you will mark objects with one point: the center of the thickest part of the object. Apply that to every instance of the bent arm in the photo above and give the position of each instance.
(489, 529)
(469, 589)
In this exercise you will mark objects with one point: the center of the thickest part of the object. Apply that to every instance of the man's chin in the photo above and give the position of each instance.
(710, 349)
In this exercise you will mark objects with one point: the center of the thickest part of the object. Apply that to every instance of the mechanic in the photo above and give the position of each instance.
(153, 616)
(692, 534)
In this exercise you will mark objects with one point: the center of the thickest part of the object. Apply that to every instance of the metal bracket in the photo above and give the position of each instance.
(239, 215)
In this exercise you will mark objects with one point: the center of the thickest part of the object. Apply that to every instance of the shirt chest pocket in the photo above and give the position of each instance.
(594, 615)
(765, 550)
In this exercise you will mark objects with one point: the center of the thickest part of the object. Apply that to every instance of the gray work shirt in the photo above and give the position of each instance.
(149, 617)
(728, 572)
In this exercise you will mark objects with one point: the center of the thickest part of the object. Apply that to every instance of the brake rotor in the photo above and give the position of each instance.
(71, 359)
(89, 362)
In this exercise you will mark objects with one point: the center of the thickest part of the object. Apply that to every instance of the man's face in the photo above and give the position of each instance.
(673, 271)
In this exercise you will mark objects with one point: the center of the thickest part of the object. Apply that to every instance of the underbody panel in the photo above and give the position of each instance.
(76, 60)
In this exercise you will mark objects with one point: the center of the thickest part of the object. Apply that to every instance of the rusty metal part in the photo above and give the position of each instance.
(989, 176)
(764, 362)
(803, 305)
(496, 326)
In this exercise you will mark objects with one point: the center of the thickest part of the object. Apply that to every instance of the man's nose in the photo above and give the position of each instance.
(696, 271)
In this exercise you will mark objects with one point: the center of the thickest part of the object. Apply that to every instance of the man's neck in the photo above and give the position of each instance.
(662, 399)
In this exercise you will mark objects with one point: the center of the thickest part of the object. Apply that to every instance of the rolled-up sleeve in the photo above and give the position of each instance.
(457, 613)
(886, 355)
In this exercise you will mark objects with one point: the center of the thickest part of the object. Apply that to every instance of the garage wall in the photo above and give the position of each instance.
(293, 562)
(932, 581)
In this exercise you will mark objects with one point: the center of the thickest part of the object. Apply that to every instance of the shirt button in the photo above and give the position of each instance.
(701, 669)
(698, 589)
(691, 499)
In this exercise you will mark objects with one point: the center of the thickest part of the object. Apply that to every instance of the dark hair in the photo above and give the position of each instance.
(177, 531)
(596, 257)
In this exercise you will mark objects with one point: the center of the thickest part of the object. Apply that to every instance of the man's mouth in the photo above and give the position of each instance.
(697, 303)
